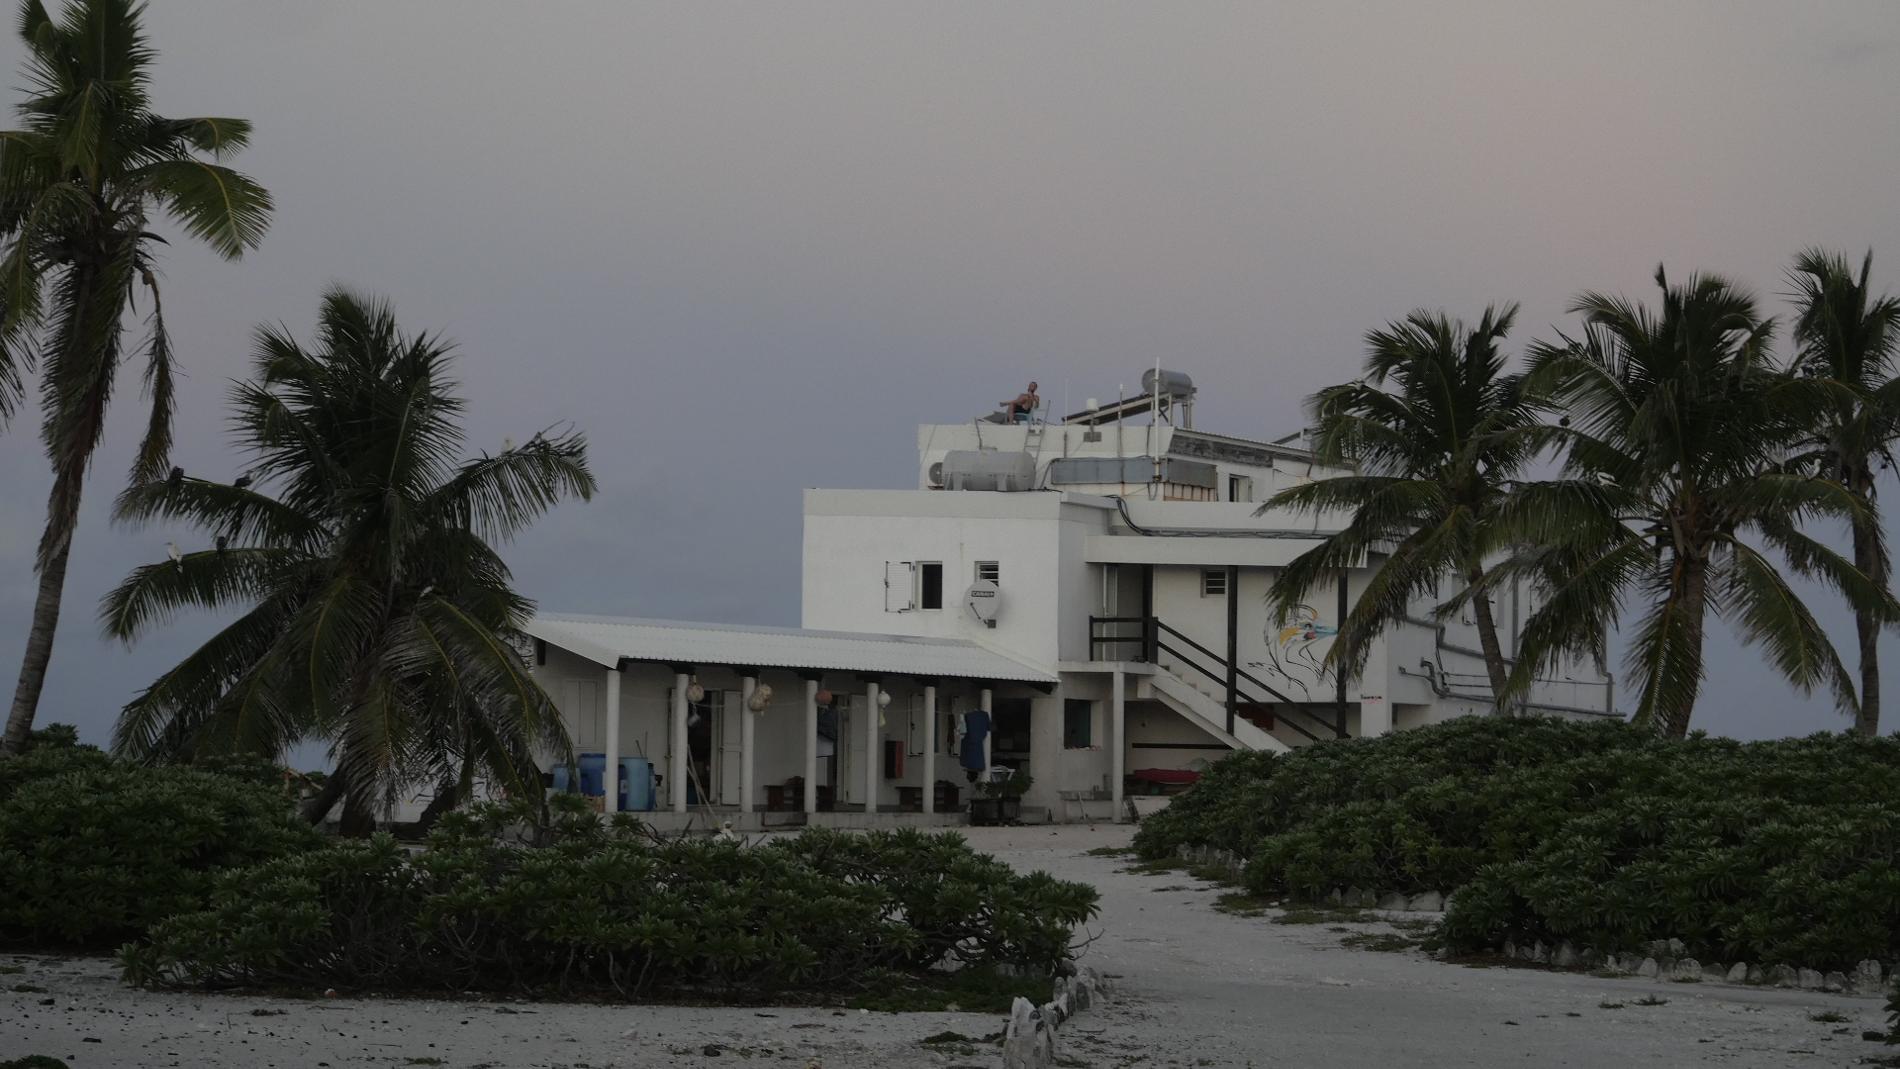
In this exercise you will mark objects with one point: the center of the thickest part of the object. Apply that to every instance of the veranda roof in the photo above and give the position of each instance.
(606, 640)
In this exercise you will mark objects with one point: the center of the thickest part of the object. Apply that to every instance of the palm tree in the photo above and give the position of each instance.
(376, 608)
(1684, 432)
(79, 185)
(1435, 458)
(1847, 336)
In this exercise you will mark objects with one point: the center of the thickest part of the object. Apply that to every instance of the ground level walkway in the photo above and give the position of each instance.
(1202, 987)
(1197, 987)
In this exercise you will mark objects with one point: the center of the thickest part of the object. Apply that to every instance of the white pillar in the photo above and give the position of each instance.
(680, 749)
(1375, 710)
(930, 748)
(983, 702)
(747, 725)
(612, 779)
(1118, 750)
(873, 760)
(811, 746)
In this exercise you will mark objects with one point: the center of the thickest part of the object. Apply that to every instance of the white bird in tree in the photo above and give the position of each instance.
(171, 550)
(507, 444)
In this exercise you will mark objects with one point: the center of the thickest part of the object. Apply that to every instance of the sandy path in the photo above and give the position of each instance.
(1205, 988)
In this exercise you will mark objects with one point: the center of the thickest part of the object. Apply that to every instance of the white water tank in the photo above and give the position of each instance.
(1174, 384)
(988, 469)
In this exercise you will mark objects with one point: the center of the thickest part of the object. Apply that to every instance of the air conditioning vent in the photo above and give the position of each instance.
(935, 475)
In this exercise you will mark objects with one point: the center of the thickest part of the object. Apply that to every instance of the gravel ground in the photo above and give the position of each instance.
(1196, 987)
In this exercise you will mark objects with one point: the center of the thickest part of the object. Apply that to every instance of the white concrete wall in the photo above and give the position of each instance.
(1158, 737)
(1035, 538)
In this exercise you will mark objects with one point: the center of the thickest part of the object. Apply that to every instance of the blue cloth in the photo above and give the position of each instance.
(976, 729)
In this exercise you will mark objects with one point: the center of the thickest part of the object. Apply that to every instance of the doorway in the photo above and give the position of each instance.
(1009, 745)
(704, 720)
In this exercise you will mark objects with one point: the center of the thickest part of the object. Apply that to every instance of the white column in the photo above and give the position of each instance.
(930, 748)
(1118, 750)
(612, 779)
(983, 702)
(811, 746)
(748, 723)
(677, 775)
(873, 760)
(1375, 706)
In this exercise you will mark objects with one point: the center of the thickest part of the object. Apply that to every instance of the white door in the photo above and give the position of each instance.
(726, 779)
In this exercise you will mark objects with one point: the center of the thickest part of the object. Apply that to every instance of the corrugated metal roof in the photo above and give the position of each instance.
(606, 639)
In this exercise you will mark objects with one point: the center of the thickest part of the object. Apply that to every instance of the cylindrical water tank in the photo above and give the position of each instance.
(594, 774)
(1173, 383)
(636, 785)
(988, 469)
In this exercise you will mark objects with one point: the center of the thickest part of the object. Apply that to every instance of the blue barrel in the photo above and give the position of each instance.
(636, 785)
(562, 777)
(594, 774)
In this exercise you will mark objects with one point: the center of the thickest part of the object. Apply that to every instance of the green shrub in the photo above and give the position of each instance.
(93, 851)
(602, 909)
(1778, 852)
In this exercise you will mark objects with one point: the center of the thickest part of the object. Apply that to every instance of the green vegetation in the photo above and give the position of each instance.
(93, 850)
(375, 607)
(1435, 462)
(1599, 834)
(1691, 461)
(1387, 942)
(1849, 337)
(605, 910)
(80, 186)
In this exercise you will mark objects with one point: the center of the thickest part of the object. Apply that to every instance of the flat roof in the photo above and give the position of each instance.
(607, 640)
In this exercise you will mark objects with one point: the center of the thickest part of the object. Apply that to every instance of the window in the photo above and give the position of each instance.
(930, 584)
(899, 592)
(1078, 724)
(1213, 582)
(1239, 488)
(989, 569)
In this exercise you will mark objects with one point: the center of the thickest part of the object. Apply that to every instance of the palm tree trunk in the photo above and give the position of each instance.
(62, 518)
(1873, 564)
(359, 817)
(316, 809)
(1695, 587)
(1488, 642)
(447, 795)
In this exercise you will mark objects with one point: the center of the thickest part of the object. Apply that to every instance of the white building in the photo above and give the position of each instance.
(1098, 585)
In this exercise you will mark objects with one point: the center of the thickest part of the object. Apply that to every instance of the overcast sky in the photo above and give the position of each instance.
(748, 247)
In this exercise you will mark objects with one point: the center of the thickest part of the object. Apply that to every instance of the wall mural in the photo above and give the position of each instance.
(1296, 644)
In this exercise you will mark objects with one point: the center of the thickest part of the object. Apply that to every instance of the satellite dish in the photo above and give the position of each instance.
(984, 599)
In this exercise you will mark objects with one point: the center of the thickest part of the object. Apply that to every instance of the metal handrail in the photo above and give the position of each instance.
(1204, 670)
(1218, 659)
(1152, 628)
(1338, 730)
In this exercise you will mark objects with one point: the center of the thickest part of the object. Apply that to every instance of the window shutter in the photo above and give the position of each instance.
(899, 589)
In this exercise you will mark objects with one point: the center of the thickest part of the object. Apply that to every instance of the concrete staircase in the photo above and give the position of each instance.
(1208, 712)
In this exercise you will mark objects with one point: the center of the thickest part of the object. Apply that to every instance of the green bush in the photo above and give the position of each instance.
(602, 909)
(93, 851)
(1600, 834)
